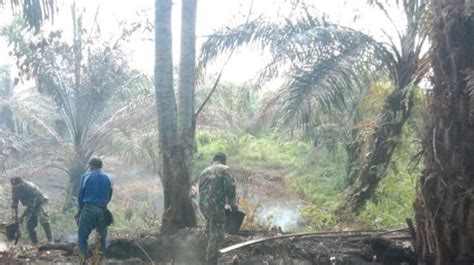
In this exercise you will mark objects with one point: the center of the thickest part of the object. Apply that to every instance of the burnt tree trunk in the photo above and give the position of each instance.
(179, 211)
(444, 204)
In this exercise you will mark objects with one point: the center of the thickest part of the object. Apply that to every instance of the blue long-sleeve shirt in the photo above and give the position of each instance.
(94, 187)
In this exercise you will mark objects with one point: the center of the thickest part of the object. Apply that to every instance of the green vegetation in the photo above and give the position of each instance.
(322, 178)
(250, 151)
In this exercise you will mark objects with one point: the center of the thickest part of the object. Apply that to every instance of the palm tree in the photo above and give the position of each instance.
(444, 205)
(81, 80)
(175, 118)
(331, 66)
(407, 64)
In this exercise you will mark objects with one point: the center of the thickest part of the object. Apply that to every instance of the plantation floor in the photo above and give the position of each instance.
(266, 199)
(188, 247)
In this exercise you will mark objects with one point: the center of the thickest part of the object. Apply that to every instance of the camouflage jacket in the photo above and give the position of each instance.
(28, 194)
(216, 188)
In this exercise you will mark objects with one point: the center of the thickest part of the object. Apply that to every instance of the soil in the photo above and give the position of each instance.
(188, 247)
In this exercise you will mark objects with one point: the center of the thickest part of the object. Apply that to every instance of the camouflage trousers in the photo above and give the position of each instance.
(34, 215)
(215, 235)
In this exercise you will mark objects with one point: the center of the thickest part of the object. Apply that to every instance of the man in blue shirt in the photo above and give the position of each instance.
(95, 192)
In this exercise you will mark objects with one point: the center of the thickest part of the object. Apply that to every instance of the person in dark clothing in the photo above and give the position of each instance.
(95, 192)
(216, 190)
(35, 200)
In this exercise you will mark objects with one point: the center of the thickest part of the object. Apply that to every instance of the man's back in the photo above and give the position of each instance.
(216, 188)
(28, 193)
(95, 187)
(95, 192)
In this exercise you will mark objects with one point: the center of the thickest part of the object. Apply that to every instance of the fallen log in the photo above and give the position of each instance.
(318, 234)
(67, 248)
(328, 247)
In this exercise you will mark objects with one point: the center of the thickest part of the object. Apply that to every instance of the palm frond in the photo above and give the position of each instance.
(320, 62)
(285, 40)
(35, 116)
(25, 110)
(35, 12)
(317, 86)
(12, 148)
(404, 55)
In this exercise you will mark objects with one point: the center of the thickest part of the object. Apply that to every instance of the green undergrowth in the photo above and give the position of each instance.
(394, 197)
(249, 151)
(321, 181)
(324, 182)
(319, 176)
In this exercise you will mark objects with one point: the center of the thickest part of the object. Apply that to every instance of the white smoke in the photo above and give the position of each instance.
(3, 247)
(284, 215)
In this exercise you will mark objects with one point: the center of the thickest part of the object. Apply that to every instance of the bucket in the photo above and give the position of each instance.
(234, 220)
(11, 230)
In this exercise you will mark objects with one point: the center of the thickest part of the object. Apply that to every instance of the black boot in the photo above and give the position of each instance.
(48, 232)
(33, 236)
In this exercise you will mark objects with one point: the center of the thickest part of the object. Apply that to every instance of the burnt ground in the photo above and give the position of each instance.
(188, 247)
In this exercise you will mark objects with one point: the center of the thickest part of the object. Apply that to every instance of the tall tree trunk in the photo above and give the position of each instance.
(186, 98)
(174, 172)
(444, 208)
(187, 80)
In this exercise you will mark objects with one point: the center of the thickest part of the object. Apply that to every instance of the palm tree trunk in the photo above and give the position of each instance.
(396, 111)
(354, 149)
(444, 208)
(164, 92)
(174, 171)
(187, 79)
(186, 99)
(76, 167)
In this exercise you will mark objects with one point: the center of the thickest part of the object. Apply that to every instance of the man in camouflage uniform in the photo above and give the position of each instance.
(34, 200)
(216, 190)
